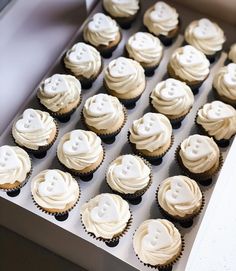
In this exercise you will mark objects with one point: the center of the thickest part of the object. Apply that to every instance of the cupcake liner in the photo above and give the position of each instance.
(223, 98)
(178, 219)
(199, 177)
(115, 238)
(150, 159)
(168, 266)
(138, 193)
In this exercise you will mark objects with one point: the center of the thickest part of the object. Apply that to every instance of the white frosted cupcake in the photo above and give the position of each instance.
(232, 53)
(162, 20)
(206, 36)
(151, 137)
(172, 98)
(145, 49)
(125, 79)
(35, 131)
(189, 65)
(60, 94)
(15, 167)
(81, 152)
(124, 12)
(218, 120)
(103, 33)
(224, 84)
(55, 191)
(158, 243)
(106, 217)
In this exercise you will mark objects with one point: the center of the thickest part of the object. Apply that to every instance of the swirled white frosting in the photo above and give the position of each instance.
(79, 149)
(55, 189)
(105, 215)
(150, 132)
(218, 119)
(34, 129)
(199, 153)
(59, 91)
(190, 64)
(172, 97)
(83, 60)
(125, 77)
(205, 35)
(161, 18)
(117, 8)
(157, 242)
(15, 164)
(101, 30)
(179, 196)
(225, 81)
(232, 53)
(103, 111)
(128, 174)
(145, 48)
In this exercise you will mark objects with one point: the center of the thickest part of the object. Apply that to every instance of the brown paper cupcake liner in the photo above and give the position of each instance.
(197, 176)
(115, 238)
(140, 192)
(174, 219)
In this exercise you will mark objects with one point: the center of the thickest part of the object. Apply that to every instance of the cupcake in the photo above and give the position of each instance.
(151, 137)
(232, 53)
(103, 33)
(125, 79)
(218, 120)
(54, 191)
(60, 94)
(189, 65)
(15, 167)
(106, 217)
(145, 49)
(104, 115)
(224, 84)
(124, 12)
(206, 36)
(129, 176)
(162, 20)
(199, 157)
(84, 62)
(172, 98)
(158, 243)
(35, 131)
(81, 153)
(180, 198)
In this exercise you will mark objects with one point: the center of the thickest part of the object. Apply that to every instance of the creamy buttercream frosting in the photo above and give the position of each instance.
(232, 53)
(125, 77)
(34, 129)
(161, 18)
(103, 111)
(121, 8)
(83, 60)
(128, 174)
(150, 132)
(180, 196)
(145, 48)
(54, 189)
(205, 35)
(157, 242)
(105, 215)
(225, 81)
(218, 119)
(59, 91)
(15, 164)
(172, 98)
(101, 30)
(79, 149)
(199, 153)
(190, 64)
